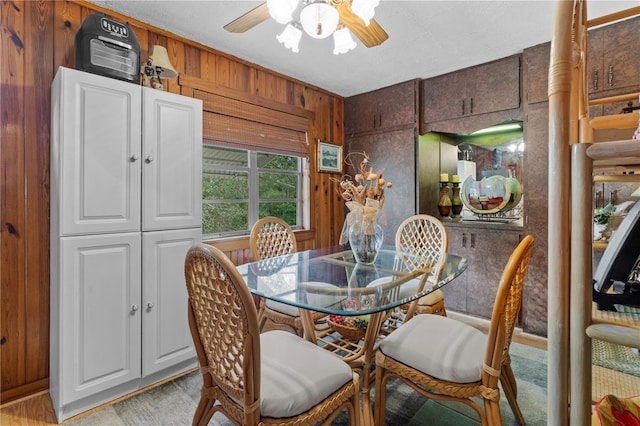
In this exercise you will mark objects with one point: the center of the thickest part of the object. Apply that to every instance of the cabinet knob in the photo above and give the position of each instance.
(134, 308)
(134, 158)
(150, 305)
(149, 159)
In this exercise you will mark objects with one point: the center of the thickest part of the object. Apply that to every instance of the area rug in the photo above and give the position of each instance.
(615, 357)
(174, 402)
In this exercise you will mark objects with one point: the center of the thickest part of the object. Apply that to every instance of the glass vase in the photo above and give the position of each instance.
(365, 245)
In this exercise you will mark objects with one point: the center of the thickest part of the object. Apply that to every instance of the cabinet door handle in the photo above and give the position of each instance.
(471, 107)
(380, 120)
(595, 80)
(149, 159)
(134, 308)
(463, 107)
(150, 305)
(473, 241)
(134, 158)
(464, 240)
(610, 75)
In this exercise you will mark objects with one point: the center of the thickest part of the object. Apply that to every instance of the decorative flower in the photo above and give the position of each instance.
(364, 194)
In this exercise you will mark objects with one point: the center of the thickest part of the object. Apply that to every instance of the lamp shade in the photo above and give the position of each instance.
(282, 10)
(160, 60)
(319, 19)
(365, 9)
(342, 41)
(290, 37)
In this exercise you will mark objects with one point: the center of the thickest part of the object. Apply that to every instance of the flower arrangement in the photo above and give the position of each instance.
(369, 184)
(364, 197)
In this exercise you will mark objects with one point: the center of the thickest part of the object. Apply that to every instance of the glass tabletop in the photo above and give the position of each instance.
(329, 280)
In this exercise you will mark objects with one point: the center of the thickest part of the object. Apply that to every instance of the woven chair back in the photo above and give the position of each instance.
(271, 237)
(506, 308)
(224, 326)
(426, 237)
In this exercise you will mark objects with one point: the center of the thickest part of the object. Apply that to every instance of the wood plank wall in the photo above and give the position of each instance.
(38, 37)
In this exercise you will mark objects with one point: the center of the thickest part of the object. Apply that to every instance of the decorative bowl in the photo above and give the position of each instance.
(488, 196)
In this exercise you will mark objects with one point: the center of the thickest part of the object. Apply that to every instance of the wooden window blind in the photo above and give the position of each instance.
(235, 123)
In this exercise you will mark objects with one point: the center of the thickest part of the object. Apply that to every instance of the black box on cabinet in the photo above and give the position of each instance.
(107, 47)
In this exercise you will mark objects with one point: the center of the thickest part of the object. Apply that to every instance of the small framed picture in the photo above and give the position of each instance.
(329, 157)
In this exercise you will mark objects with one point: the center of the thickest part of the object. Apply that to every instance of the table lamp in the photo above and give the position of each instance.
(157, 68)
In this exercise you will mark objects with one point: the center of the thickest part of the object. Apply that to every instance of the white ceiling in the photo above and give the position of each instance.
(426, 38)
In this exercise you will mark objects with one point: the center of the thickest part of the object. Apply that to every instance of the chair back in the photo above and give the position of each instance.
(505, 310)
(270, 237)
(425, 236)
(224, 325)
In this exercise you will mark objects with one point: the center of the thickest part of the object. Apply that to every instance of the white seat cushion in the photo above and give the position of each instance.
(317, 299)
(296, 374)
(283, 308)
(411, 287)
(438, 346)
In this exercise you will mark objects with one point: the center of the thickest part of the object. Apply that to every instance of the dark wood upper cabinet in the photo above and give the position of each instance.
(536, 73)
(490, 87)
(613, 62)
(387, 108)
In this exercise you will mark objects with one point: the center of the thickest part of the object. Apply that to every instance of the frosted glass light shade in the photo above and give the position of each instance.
(290, 37)
(342, 41)
(282, 10)
(319, 19)
(365, 9)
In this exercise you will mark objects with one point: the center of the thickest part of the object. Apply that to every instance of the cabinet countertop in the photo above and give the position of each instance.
(512, 225)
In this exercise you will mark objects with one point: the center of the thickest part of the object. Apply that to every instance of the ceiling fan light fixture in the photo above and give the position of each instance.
(342, 41)
(282, 10)
(319, 19)
(290, 37)
(365, 9)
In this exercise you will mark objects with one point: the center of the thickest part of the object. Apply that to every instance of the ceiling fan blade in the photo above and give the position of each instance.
(371, 35)
(249, 20)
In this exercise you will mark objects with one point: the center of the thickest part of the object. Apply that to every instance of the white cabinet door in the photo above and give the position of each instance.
(172, 161)
(95, 154)
(99, 310)
(165, 327)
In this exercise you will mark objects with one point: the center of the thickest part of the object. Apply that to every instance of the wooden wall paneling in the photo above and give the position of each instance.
(223, 73)
(192, 61)
(240, 76)
(68, 18)
(12, 152)
(37, 97)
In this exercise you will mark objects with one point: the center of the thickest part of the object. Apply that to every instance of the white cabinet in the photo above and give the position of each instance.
(126, 170)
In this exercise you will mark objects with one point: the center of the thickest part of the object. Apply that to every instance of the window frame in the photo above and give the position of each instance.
(252, 170)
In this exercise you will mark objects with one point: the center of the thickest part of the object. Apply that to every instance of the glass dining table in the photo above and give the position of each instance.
(329, 286)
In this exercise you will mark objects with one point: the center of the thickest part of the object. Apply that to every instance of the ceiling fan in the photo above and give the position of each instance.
(350, 14)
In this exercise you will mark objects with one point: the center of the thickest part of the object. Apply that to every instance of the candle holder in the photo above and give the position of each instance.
(444, 204)
(456, 201)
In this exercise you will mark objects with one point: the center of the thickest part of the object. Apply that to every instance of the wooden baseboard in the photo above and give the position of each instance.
(519, 336)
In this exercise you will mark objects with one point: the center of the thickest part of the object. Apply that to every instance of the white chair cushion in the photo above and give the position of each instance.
(296, 374)
(438, 346)
(316, 299)
(283, 308)
(411, 287)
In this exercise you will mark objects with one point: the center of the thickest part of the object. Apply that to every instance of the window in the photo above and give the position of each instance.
(240, 186)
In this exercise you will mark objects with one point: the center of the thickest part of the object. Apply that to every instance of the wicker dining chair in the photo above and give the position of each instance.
(254, 378)
(426, 236)
(271, 237)
(446, 359)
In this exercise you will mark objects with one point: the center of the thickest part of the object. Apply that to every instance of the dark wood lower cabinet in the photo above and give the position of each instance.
(487, 251)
